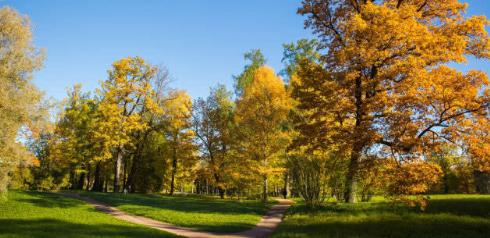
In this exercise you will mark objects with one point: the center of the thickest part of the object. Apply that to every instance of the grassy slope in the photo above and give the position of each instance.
(31, 214)
(208, 214)
(447, 216)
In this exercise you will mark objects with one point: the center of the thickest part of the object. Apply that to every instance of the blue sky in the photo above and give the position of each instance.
(201, 42)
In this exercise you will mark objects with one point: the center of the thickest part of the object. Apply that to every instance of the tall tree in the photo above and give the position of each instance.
(387, 64)
(18, 96)
(74, 138)
(126, 96)
(152, 117)
(213, 125)
(177, 117)
(261, 114)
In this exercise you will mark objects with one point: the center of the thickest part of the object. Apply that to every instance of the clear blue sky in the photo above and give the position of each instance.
(201, 42)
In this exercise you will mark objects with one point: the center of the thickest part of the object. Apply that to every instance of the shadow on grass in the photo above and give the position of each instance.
(468, 206)
(48, 200)
(399, 227)
(53, 228)
(476, 206)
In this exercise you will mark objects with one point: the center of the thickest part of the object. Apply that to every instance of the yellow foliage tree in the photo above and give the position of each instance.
(261, 114)
(126, 96)
(177, 120)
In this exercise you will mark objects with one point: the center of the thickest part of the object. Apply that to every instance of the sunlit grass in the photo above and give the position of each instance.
(447, 216)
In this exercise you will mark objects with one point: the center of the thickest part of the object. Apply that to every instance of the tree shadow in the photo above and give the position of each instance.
(49, 200)
(399, 227)
(477, 206)
(52, 228)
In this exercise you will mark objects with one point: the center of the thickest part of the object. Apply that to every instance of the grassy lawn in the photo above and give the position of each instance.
(207, 214)
(32, 214)
(447, 216)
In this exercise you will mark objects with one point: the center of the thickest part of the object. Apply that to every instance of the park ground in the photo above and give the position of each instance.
(36, 214)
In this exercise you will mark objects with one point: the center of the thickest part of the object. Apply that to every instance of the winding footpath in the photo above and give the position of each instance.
(264, 228)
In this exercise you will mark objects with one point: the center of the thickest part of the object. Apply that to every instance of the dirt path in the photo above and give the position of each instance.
(264, 228)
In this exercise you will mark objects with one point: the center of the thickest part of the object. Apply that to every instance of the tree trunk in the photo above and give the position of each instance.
(265, 189)
(352, 176)
(73, 179)
(351, 180)
(89, 178)
(174, 171)
(285, 192)
(125, 172)
(221, 192)
(81, 181)
(117, 170)
(98, 183)
(134, 166)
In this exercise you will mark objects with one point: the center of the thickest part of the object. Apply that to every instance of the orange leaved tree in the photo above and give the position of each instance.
(387, 65)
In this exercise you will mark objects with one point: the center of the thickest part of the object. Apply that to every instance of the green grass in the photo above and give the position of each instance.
(207, 214)
(32, 214)
(447, 216)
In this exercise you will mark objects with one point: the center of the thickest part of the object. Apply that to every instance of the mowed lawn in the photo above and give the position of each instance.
(206, 214)
(462, 216)
(33, 214)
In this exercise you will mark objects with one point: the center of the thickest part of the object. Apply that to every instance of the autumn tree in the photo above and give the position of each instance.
(213, 125)
(73, 144)
(178, 130)
(126, 95)
(19, 98)
(155, 125)
(261, 114)
(385, 64)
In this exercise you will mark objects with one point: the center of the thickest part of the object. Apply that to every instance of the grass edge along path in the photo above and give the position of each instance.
(264, 228)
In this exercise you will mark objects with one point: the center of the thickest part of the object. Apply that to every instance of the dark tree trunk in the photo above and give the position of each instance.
(174, 171)
(106, 183)
(221, 190)
(89, 178)
(124, 178)
(73, 179)
(98, 181)
(134, 165)
(81, 181)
